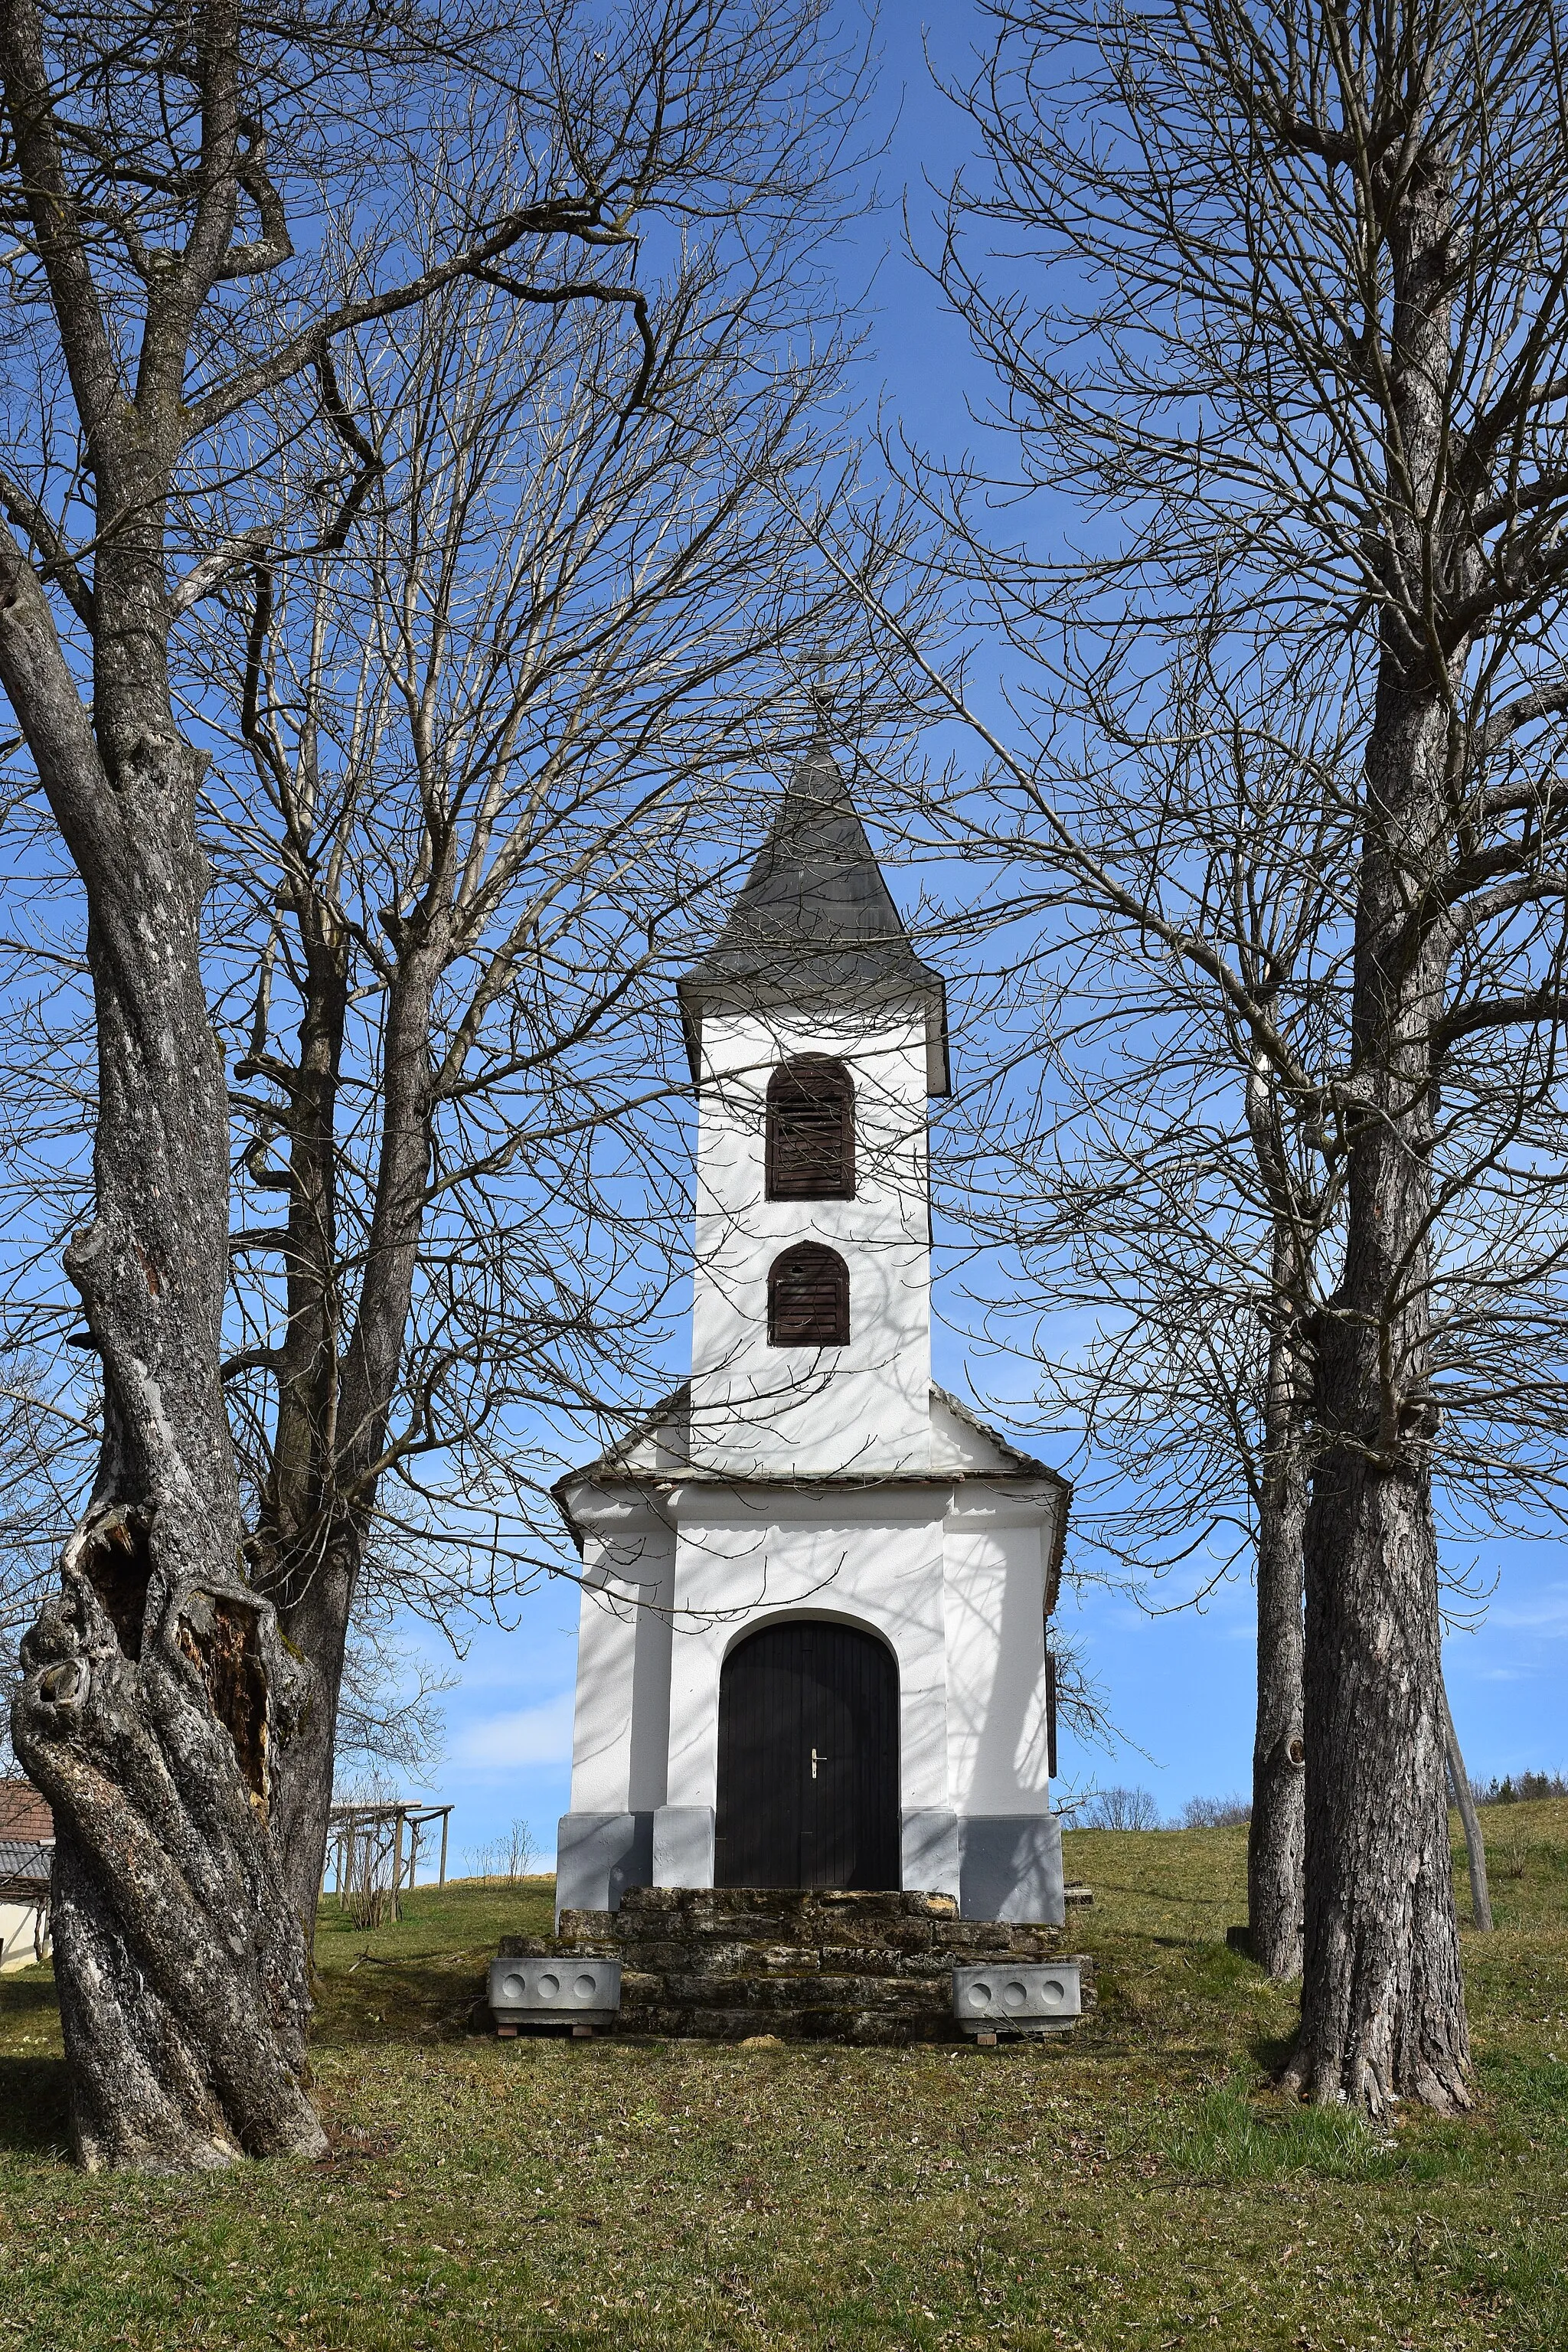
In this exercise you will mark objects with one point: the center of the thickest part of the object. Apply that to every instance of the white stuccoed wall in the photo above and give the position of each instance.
(18, 1934)
(757, 1409)
(620, 1733)
(952, 1577)
(873, 1560)
(994, 1597)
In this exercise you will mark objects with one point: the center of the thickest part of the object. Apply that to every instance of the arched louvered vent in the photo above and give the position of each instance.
(808, 1298)
(811, 1131)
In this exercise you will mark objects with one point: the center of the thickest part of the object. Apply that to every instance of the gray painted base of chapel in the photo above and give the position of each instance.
(1011, 1868)
(683, 1845)
(998, 1865)
(598, 1857)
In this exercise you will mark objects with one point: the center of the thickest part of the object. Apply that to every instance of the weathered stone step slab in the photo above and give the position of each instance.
(695, 1904)
(584, 1929)
(810, 1964)
(795, 1992)
(861, 2027)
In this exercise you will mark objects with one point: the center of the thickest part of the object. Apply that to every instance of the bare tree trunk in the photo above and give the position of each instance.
(1318, 233)
(1277, 1833)
(156, 1691)
(297, 1552)
(1382, 2010)
(315, 1604)
(1474, 1845)
(161, 1704)
(321, 1496)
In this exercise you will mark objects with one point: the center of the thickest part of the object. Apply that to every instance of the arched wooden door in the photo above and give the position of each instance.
(808, 1759)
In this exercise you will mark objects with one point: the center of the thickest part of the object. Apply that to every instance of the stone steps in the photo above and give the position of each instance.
(813, 1964)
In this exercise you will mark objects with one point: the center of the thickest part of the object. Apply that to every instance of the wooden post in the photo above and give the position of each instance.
(396, 1859)
(446, 1818)
(1474, 1845)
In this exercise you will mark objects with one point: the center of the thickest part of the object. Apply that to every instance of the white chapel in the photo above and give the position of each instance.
(816, 1588)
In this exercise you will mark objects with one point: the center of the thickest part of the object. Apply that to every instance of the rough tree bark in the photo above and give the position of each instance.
(1382, 2008)
(157, 1693)
(1277, 1833)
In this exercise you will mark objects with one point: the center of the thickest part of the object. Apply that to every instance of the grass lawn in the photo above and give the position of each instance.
(1138, 2187)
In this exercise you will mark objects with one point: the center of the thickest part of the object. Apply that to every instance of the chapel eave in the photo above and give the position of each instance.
(614, 1472)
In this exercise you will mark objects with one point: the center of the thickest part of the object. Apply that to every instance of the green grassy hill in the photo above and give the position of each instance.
(1140, 2187)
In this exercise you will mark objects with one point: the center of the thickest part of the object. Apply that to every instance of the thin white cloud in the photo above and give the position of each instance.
(1545, 1612)
(531, 1735)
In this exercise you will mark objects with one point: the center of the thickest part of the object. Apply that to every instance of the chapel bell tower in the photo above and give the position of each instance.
(812, 1649)
(816, 1035)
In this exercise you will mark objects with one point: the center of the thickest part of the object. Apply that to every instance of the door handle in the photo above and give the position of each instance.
(817, 1759)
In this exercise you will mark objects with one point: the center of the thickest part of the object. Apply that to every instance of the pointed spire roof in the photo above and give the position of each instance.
(815, 919)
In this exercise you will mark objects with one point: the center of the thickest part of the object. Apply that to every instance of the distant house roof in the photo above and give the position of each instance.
(815, 919)
(24, 1869)
(24, 1813)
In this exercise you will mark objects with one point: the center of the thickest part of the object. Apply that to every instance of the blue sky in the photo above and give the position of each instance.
(1180, 1685)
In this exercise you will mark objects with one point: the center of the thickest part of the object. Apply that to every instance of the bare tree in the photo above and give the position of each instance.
(1150, 1171)
(494, 747)
(1120, 1809)
(172, 179)
(1273, 293)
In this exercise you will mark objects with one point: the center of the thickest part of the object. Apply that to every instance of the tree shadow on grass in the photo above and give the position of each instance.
(27, 1992)
(35, 2106)
(1271, 2053)
(34, 2098)
(403, 2001)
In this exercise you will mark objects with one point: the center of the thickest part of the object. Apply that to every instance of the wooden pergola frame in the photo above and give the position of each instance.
(379, 1830)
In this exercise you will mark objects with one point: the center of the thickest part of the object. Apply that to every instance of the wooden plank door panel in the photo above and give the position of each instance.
(808, 1759)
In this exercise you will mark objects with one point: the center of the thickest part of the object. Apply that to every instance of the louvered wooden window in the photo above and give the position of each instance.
(811, 1131)
(808, 1298)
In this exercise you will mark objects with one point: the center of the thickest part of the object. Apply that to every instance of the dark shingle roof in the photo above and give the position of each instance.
(23, 1868)
(668, 1429)
(815, 919)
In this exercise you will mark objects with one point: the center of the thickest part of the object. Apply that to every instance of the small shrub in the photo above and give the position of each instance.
(520, 1851)
(369, 1906)
(510, 1856)
(1215, 1812)
(1120, 1809)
